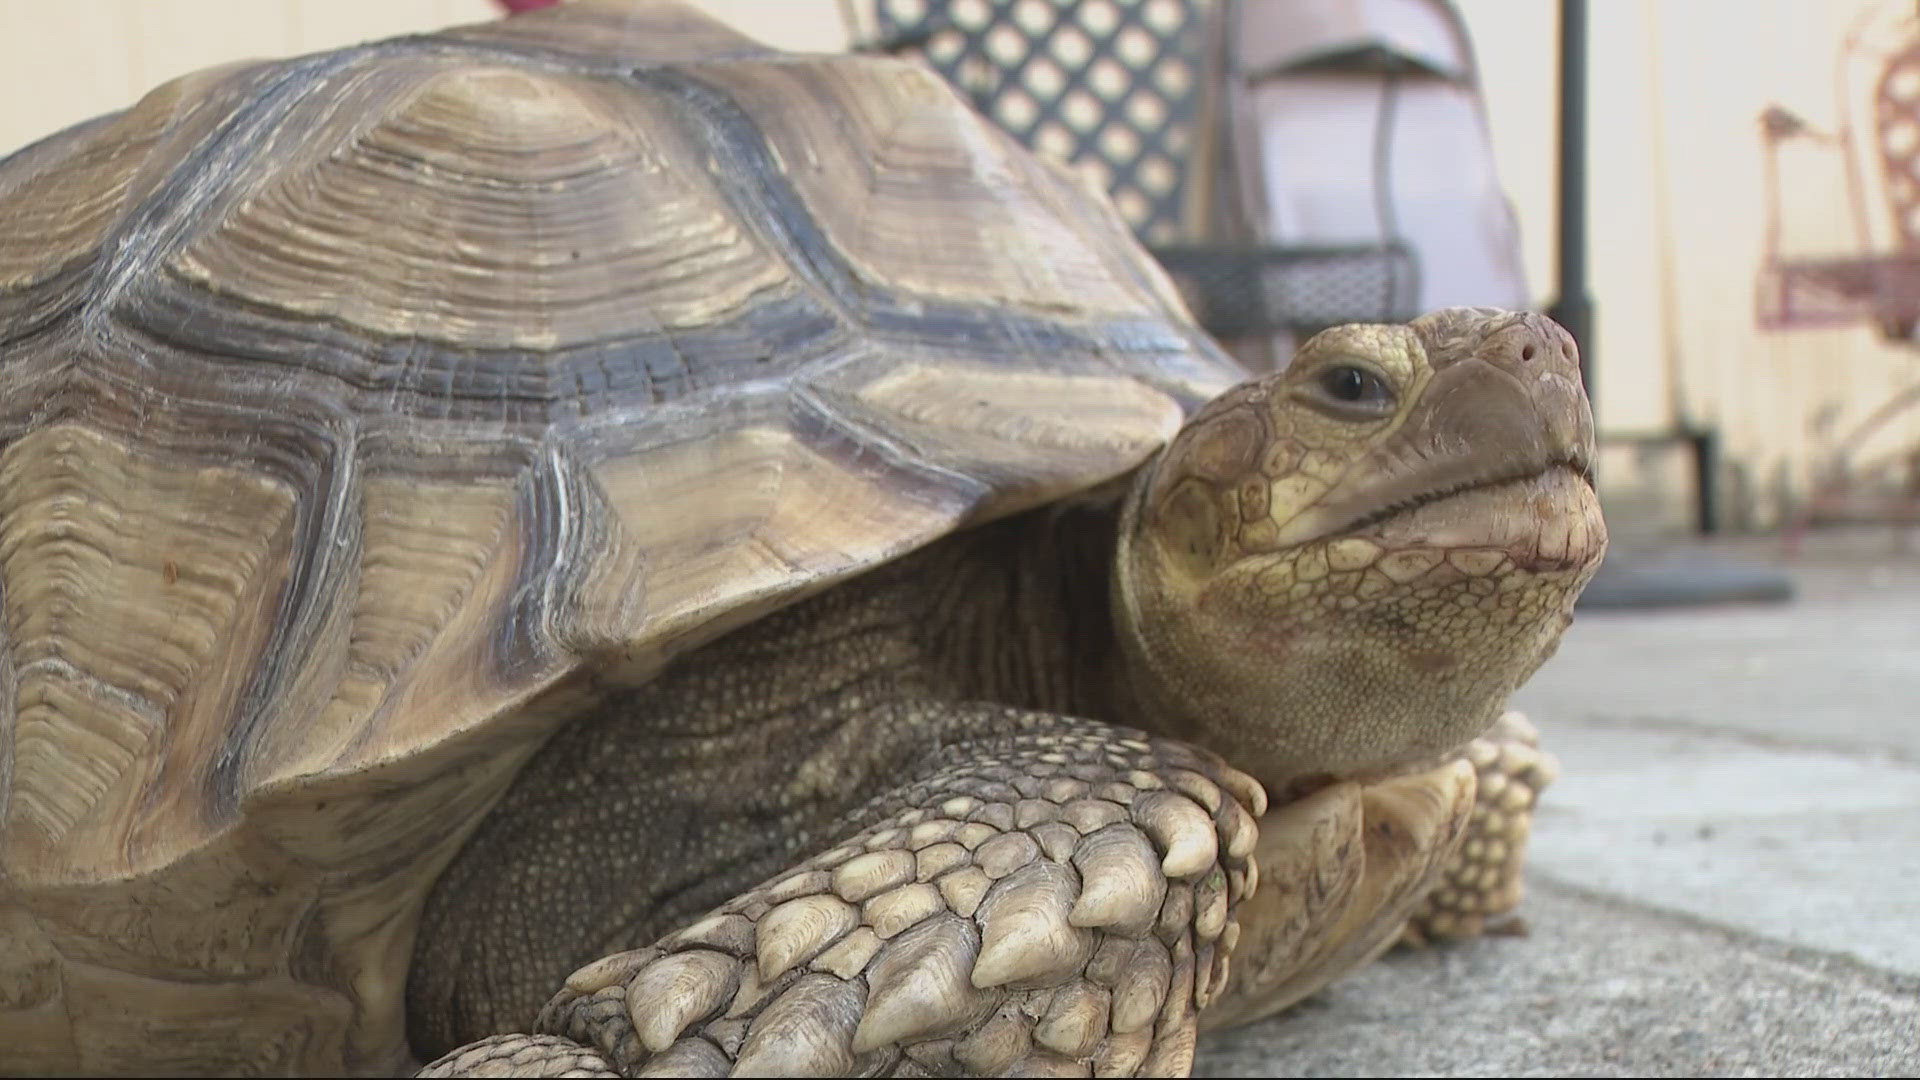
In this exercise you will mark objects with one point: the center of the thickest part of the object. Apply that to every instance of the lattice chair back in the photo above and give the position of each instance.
(1111, 86)
(1131, 92)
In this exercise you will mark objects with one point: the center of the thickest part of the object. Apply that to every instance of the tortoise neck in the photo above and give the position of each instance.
(1019, 612)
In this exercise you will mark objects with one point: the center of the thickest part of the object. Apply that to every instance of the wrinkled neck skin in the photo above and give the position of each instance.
(1037, 614)
(1024, 618)
(1047, 610)
(1315, 664)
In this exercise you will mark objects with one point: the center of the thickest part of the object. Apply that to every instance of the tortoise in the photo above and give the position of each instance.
(589, 510)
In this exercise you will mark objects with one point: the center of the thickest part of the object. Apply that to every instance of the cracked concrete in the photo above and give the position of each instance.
(1726, 878)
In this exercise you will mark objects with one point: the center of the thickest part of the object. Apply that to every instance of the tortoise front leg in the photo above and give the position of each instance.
(1407, 859)
(1037, 903)
(522, 1055)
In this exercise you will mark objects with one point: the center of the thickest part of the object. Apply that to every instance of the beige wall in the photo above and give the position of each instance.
(1677, 214)
(62, 61)
(1675, 189)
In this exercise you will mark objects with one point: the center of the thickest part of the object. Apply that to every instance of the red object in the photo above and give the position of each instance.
(515, 7)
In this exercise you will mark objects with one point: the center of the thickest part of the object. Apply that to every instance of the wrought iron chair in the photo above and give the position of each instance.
(1879, 282)
(1128, 91)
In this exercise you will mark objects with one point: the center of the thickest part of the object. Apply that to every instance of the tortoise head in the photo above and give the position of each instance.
(1348, 566)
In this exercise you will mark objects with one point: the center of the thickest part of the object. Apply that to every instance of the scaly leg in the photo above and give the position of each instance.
(1047, 901)
(522, 1055)
(1483, 882)
(1355, 868)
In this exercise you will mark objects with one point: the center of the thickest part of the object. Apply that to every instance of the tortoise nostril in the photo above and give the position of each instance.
(1526, 353)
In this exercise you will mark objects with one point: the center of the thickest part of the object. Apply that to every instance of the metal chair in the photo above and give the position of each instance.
(1127, 91)
(1878, 282)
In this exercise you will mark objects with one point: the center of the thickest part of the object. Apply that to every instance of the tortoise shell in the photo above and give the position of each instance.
(363, 415)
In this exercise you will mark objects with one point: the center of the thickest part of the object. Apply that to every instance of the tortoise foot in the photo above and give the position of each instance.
(1048, 904)
(1482, 885)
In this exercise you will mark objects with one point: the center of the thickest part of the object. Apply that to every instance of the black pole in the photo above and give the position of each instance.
(1573, 307)
(1631, 580)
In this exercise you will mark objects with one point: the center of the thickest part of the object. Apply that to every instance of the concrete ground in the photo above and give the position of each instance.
(1726, 877)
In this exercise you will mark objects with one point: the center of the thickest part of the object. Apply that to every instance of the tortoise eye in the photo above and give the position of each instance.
(1345, 383)
(1353, 390)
